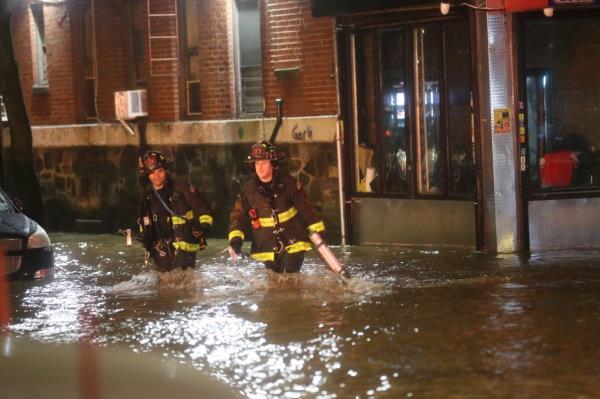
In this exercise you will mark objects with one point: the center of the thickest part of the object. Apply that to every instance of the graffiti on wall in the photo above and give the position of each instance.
(302, 135)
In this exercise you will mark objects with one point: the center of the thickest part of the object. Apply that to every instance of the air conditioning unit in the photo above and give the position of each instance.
(131, 104)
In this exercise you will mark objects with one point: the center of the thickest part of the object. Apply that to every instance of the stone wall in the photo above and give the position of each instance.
(96, 188)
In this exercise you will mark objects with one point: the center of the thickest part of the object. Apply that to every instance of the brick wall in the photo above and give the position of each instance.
(57, 104)
(293, 38)
(163, 83)
(216, 63)
(112, 56)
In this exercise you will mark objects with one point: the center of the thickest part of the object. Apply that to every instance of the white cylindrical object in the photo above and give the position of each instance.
(328, 257)
(234, 257)
(338, 146)
(129, 240)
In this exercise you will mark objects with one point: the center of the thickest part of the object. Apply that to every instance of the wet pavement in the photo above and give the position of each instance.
(410, 324)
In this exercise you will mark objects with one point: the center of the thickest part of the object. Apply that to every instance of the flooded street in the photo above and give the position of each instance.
(411, 323)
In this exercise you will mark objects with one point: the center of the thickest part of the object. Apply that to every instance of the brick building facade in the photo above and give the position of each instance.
(185, 55)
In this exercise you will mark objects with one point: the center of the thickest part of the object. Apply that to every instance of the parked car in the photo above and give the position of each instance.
(26, 249)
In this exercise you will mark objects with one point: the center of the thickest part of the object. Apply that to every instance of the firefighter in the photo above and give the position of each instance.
(278, 211)
(174, 216)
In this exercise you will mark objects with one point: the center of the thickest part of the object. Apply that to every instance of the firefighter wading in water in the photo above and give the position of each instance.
(279, 211)
(174, 216)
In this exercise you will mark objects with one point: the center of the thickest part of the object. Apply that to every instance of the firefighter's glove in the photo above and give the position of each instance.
(236, 244)
(200, 229)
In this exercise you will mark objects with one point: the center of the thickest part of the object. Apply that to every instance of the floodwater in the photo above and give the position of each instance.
(410, 324)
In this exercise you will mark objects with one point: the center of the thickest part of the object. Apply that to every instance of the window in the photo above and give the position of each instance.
(88, 62)
(412, 112)
(562, 88)
(248, 56)
(40, 71)
(138, 64)
(191, 58)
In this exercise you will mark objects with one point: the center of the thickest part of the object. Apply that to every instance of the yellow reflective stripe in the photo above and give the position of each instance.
(177, 220)
(206, 219)
(181, 220)
(186, 246)
(287, 215)
(266, 222)
(283, 217)
(317, 227)
(236, 233)
(263, 256)
(298, 246)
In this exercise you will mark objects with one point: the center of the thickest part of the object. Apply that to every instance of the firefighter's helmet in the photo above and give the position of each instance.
(264, 151)
(153, 160)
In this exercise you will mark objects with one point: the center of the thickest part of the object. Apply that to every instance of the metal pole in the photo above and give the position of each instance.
(339, 138)
(338, 146)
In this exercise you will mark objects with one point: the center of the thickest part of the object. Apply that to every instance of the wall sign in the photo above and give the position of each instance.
(501, 120)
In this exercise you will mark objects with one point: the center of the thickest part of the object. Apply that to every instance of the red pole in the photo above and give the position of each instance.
(89, 360)
(4, 296)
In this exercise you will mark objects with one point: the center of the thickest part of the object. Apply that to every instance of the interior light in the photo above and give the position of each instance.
(549, 11)
(445, 7)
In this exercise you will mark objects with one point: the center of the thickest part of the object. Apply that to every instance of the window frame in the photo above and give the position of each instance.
(239, 84)
(350, 27)
(532, 191)
(39, 55)
(186, 55)
(84, 90)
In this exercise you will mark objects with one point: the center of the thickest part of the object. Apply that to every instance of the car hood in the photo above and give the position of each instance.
(16, 224)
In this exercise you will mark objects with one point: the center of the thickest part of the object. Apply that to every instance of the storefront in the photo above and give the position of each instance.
(477, 127)
(559, 93)
(407, 103)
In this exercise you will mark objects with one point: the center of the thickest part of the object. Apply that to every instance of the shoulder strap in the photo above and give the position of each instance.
(167, 208)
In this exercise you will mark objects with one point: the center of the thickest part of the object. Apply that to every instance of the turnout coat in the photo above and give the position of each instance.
(184, 228)
(279, 214)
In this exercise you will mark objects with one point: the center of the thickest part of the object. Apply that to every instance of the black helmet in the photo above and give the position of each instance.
(264, 151)
(153, 160)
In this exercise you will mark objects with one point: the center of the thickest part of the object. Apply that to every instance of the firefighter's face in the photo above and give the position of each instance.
(157, 178)
(264, 170)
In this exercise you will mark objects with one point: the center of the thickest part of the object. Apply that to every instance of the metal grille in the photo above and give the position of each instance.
(11, 244)
(560, 224)
(10, 264)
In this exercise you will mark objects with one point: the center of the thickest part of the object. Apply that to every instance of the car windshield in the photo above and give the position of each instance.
(5, 204)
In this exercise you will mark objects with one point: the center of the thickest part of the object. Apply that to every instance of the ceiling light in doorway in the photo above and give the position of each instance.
(549, 11)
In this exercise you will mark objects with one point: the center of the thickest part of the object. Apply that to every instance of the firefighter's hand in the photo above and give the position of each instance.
(236, 245)
(201, 242)
(199, 235)
(200, 229)
(205, 227)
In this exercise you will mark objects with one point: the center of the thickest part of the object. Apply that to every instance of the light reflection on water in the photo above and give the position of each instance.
(412, 323)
